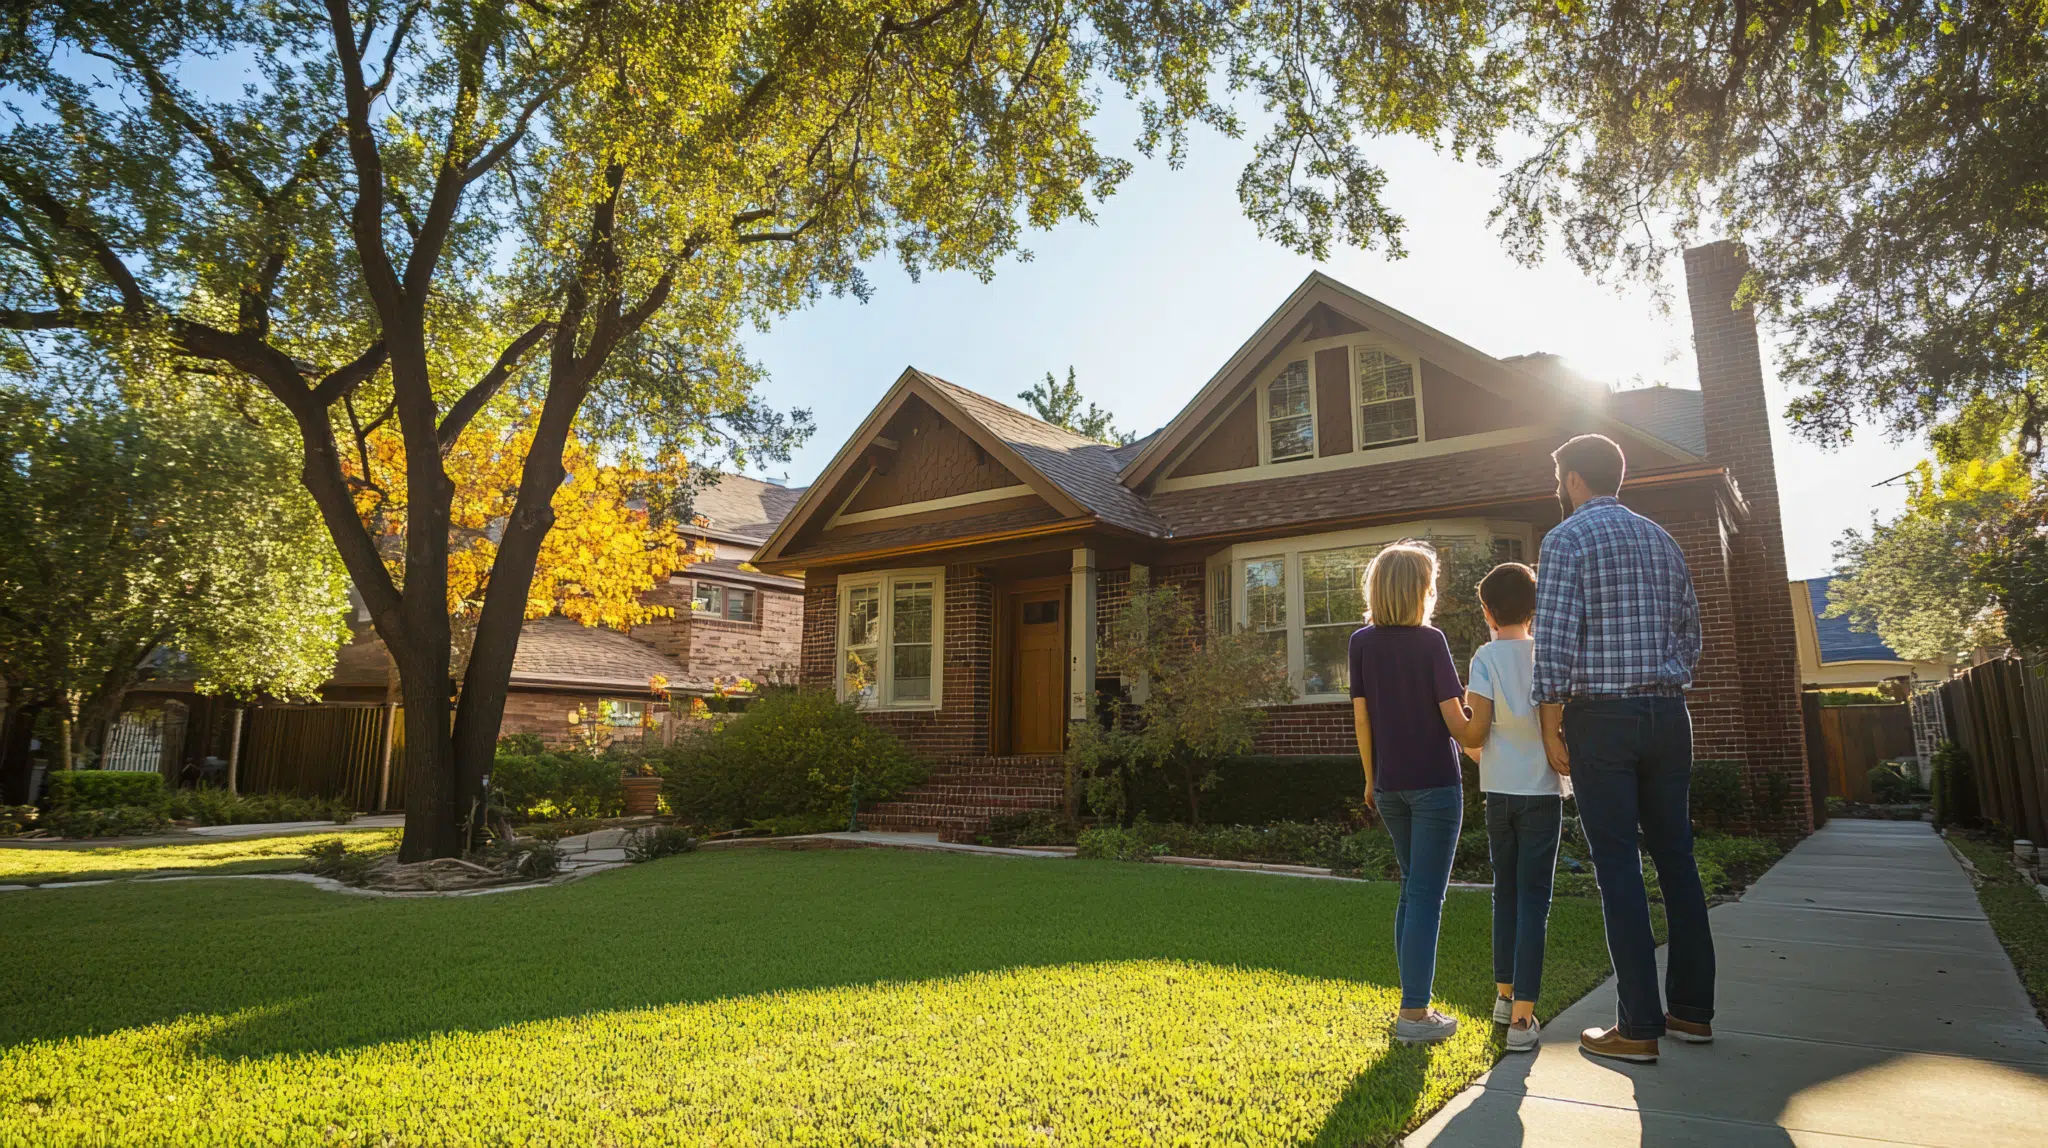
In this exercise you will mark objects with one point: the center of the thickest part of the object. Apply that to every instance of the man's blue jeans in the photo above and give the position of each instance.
(1631, 762)
(1522, 832)
(1424, 825)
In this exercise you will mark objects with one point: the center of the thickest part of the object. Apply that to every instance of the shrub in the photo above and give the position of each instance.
(219, 807)
(16, 819)
(1717, 801)
(1740, 860)
(544, 785)
(1040, 827)
(1367, 853)
(792, 753)
(1474, 859)
(104, 789)
(1891, 783)
(118, 821)
(1951, 784)
(1259, 790)
(1112, 844)
(799, 824)
(658, 841)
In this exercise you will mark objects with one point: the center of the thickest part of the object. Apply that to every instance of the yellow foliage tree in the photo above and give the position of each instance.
(604, 552)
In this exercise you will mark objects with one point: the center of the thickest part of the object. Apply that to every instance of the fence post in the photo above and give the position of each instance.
(235, 748)
(384, 770)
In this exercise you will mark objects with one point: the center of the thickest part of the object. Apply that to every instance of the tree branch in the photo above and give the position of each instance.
(366, 218)
(343, 380)
(473, 400)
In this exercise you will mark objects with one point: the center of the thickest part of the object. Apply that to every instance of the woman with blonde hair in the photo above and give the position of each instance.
(1408, 708)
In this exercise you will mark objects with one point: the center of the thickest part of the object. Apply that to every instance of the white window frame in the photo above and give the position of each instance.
(884, 582)
(1304, 355)
(1232, 562)
(1352, 347)
(725, 594)
(615, 709)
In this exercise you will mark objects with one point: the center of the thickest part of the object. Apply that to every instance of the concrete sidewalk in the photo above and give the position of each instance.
(1863, 999)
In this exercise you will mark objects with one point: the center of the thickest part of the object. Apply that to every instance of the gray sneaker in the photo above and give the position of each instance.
(1525, 1039)
(1503, 1010)
(1431, 1029)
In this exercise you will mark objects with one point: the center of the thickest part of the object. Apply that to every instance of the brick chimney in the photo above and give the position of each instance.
(1738, 426)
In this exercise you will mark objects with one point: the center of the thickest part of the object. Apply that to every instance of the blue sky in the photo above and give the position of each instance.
(1147, 303)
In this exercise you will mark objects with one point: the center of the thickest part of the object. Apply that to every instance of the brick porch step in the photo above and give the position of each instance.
(959, 797)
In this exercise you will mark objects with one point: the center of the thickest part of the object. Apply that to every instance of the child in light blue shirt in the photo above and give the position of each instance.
(1524, 797)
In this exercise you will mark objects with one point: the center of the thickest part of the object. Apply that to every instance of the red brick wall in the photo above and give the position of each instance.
(960, 727)
(707, 647)
(1738, 425)
(1319, 727)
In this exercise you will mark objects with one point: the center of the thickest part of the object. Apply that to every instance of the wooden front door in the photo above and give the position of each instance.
(1038, 665)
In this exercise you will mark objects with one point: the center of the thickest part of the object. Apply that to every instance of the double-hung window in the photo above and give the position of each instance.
(1265, 600)
(1386, 398)
(890, 638)
(1290, 414)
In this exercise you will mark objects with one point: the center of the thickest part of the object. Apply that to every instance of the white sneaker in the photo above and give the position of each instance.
(1503, 1010)
(1432, 1028)
(1525, 1039)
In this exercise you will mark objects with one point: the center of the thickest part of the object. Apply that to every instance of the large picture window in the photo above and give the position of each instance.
(1290, 414)
(1332, 607)
(1386, 399)
(890, 638)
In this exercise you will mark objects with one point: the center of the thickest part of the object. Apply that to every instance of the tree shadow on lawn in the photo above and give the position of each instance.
(312, 972)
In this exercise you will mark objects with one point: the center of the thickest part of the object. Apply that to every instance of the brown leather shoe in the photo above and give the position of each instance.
(1609, 1042)
(1688, 1031)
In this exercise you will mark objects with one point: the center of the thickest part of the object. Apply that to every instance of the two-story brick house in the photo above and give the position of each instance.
(959, 557)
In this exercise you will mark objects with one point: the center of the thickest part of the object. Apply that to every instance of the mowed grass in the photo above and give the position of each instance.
(282, 854)
(740, 998)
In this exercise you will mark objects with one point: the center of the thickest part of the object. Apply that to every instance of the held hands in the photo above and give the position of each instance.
(1554, 749)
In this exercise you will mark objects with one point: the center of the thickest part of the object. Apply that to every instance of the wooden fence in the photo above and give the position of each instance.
(1853, 740)
(1998, 713)
(328, 751)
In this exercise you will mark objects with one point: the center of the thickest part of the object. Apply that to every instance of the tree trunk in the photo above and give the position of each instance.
(1187, 777)
(432, 819)
(16, 767)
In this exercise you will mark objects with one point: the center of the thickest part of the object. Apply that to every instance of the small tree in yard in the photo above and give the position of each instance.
(1198, 698)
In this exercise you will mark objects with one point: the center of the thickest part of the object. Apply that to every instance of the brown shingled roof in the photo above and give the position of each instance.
(558, 651)
(836, 545)
(1085, 469)
(748, 507)
(1510, 474)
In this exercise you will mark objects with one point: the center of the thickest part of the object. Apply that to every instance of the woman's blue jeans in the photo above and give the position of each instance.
(1424, 824)
(1522, 831)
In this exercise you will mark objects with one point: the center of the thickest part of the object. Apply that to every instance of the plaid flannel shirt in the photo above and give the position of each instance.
(1615, 611)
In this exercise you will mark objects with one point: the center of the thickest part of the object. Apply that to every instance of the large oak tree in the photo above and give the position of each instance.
(397, 211)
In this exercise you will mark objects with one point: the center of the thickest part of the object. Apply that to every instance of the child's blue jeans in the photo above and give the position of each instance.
(1521, 833)
(1424, 824)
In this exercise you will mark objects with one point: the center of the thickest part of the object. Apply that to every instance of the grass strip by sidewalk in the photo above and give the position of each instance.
(742, 998)
(2018, 914)
(285, 853)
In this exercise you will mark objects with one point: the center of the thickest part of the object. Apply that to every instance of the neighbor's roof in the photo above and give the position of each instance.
(1840, 639)
(1674, 414)
(560, 652)
(745, 507)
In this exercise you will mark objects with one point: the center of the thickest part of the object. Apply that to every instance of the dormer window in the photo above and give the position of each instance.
(1386, 399)
(1290, 414)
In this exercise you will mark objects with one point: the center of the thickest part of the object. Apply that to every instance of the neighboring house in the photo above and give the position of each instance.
(731, 623)
(1835, 653)
(960, 557)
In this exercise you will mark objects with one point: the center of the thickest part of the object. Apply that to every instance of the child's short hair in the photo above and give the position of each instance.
(1400, 585)
(1509, 593)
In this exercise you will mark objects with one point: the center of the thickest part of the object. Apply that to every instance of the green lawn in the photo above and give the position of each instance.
(282, 854)
(738, 998)
(2018, 914)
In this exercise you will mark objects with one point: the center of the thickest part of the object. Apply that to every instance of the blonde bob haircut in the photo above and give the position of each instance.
(1400, 585)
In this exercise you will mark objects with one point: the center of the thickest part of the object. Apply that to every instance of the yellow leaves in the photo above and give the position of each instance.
(602, 553)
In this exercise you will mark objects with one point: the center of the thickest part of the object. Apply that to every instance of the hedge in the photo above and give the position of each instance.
(104, 789)
(1259, 790)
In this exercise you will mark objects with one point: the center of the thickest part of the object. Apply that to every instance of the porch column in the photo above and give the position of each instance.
(1081, 638)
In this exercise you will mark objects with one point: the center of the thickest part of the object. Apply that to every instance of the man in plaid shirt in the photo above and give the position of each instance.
(1617, 632)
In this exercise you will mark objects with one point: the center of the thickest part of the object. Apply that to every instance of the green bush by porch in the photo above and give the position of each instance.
(904, 996)
(103, 789)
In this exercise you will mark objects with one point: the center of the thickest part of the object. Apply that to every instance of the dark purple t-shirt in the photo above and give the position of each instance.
(1405, 673)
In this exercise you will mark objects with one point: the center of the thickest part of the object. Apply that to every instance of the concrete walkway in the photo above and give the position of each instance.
(1863, 999)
